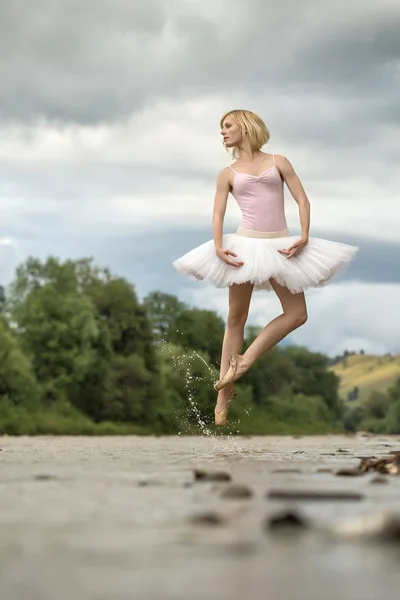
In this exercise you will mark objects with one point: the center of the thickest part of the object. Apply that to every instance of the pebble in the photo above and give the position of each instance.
(389, 464)
(320, 495)
(286, 520)
(237, 491)
(288, 470)
(207, 518)
(381, 526)
(380, 479)
(356, 472)
(201, 475)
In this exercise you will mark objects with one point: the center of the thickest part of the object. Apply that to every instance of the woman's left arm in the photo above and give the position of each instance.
(296, 189)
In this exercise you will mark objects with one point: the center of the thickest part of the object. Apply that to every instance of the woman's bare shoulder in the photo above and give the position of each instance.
(224, 178)
(224, 173)
(279, 158)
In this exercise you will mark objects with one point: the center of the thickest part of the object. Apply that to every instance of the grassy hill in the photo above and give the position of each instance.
(367, 372)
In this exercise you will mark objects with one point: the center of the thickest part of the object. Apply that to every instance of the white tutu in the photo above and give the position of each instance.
(313, 267)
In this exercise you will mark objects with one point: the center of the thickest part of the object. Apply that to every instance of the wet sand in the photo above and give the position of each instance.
(111, 518)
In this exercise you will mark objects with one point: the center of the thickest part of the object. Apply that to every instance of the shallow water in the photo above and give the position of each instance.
(109, 518)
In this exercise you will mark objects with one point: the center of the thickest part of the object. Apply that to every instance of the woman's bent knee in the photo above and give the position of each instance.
(299, 319)
(236, 319)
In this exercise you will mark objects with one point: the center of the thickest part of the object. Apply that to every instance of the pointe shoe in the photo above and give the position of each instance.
(221, 415)
(229, 375)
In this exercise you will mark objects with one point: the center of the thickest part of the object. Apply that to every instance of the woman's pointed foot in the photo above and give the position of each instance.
(236, 369)
(221, 412)
(229, 375)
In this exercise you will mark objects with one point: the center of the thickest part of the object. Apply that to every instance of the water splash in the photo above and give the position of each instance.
(184, 363)
(224, 442)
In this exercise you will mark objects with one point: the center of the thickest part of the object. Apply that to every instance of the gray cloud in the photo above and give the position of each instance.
(83, 61)
(98, 61)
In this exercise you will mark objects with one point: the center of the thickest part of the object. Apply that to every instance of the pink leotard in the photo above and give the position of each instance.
(261, 200)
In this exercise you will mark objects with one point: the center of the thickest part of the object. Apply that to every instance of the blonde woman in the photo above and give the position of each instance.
(261, 255)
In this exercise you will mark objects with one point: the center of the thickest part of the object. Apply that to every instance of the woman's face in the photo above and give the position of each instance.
(231, 132)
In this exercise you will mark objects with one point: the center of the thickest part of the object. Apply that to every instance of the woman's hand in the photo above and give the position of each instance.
(295, 248)
(225, 254)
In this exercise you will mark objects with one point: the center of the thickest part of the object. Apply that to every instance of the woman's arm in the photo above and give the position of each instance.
(296, 189)
(220, 201)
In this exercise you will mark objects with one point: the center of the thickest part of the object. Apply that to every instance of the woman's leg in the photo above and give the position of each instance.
(294, 315)
(239, 302)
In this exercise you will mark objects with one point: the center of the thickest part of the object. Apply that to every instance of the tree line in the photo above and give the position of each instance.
(81, 354)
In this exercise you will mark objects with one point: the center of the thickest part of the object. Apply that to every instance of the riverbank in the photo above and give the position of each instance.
(125, 517)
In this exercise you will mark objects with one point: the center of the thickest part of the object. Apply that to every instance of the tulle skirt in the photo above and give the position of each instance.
(313, 267)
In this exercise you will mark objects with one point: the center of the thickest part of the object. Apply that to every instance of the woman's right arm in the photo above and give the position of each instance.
(220, 201)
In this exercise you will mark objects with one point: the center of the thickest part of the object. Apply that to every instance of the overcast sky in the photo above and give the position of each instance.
(110, 141)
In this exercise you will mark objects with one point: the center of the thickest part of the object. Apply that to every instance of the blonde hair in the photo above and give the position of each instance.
(252, 126)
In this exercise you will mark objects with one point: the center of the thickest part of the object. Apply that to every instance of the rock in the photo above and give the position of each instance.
(243, 548)
(366, 457)
(324, 470)
(143, 482)
(286, 520)
(201, 475)
(365, 434)
(237, 491)
(382, 527)
(44, 477)
(342, 451)
(349, 472)
(299, 452)
(390, 464)
(289, 470)
(380, 479)
(311, 495)
(209, 517)
(148, 482)
(392, 468)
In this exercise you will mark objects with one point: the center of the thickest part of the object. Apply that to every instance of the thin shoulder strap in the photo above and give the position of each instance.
(232, 168)
(273, 159)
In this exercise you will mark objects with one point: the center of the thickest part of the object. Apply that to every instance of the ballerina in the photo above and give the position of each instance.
(261, 255)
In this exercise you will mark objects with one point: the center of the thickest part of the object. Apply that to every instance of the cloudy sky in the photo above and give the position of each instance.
(110, 142)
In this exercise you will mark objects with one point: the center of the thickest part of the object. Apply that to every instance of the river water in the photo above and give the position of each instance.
(112, 518)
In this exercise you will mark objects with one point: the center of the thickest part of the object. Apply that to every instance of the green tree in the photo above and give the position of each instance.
(88, 337)
(377, 404)
(198, 329)
(162, 310)
(393, 413)
(2, 299)
(18, 385)
(57, 333)
(271, 375)
(313, 377)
